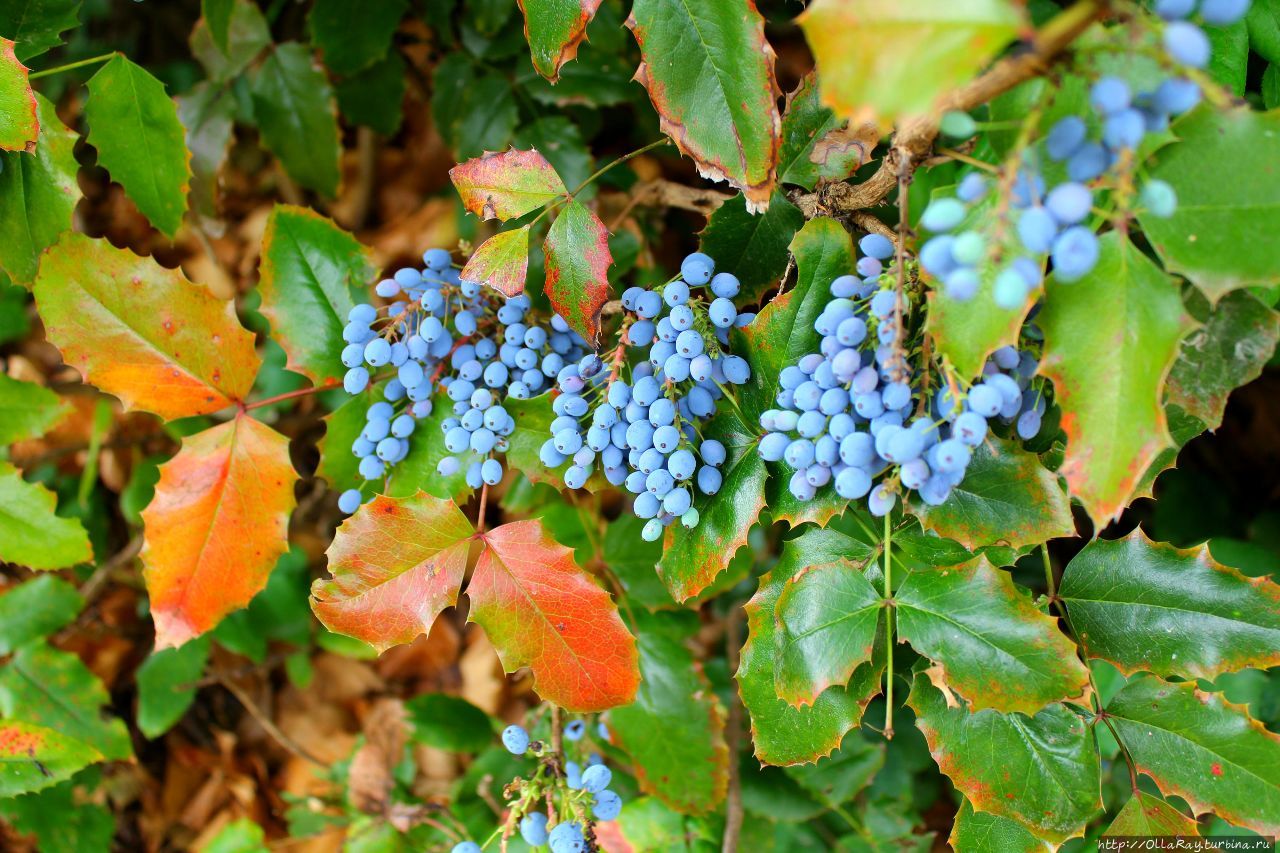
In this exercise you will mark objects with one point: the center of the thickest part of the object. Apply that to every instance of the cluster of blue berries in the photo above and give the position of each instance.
(1053, 223)
(844, 414)
(643, 429)
(443, 333)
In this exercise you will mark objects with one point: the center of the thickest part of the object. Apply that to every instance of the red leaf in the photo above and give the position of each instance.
(396, 564)
(578, 261)
(506, 185)
(554, 29)
(541, 611)
(19, 120)
(502, 262)
(217, 525)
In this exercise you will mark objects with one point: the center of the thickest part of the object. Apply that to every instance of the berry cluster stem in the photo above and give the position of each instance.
(888, 626)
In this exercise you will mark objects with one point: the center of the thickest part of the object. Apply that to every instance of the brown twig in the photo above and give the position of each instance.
(94, 585)
(270, 727)
(733, 735)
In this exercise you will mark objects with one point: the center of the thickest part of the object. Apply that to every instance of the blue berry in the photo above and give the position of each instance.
(515, 739)
(533, 829)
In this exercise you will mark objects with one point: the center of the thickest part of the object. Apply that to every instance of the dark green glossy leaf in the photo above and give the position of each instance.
(354, 36)
(36, 608)
(838, 778)
(635, 563)
(296, 114)
(338, 463)
(1147, 816)
(1144, 605)
(64, 818)
(752, 246)
(449, 722)
(674, 730)
(533, 419)
(1202, 748)
(375, 96)
(554, 29)
(27, 410)
(207, 112)
(1263, 21)
(166, 685)
(417, 471)
(30, 533)
(37, 25)
(474, 112)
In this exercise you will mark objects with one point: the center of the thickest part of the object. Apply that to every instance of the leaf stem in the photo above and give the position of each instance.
(301, 392)
(72, 65)
(888, 627)
(1048, 571)
(484, 500)
(618, 162)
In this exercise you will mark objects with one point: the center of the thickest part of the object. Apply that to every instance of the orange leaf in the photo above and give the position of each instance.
(142, 332)
(542, 611)
(396, 564)
(217, 525)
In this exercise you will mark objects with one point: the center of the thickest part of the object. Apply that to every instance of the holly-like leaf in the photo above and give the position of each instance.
(692, 559)
(1231, 348)
(1148, 817)
(37, 25)
(298, 117)
(310, 270)
(375, 97)
(983, 832)
(38, 194)
(19, 117)
(506, 185)
(354, 36)
(1046, 776)
(34, 757)
(1144, 605)
(578, 261)
(338, 463)
(827, 620)
(54, 688)
(395, 565)
(166, 688)
(1007, 497)
(474, 111)
(541, 611)
(216, 526)
(208, 113)
(994, 647)
(135, 127)
(784, 734)
(36, 608)
(27, 410)
(816, 145)
(554, 29)
(839, 777)
(142, 332)
(709, 73)
(674, 731)
(1201, 748)
(752, 247)
(30, 534)
(1236, 206)
(860, 45)
(449, 722)
(1110, 339)
(501, 262)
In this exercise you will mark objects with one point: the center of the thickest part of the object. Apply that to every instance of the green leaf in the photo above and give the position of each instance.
(375, 96)
(816, 145)
(507, 184)
(860, 46)
(501, 262)
(1144, 605)
(1236, 205)
(238, 836)
(647, 824)
(217, 17)
(838, 778)
(30, 533)
(577, 262)
(674, 730)
(560, 141)
(709, 73)
(354, 36)
(37, 25)
(1147, 816)
(449, 723)
(554, 29)
(1046, 776)
(417, 471)
(36, 608)
(983, 832)
(752, 247)
(473, 112)
(783, 734)
(827, 619)
(311, 270)
(19, 119)
(135, 127)
(247, 35)
(1110, 339)
(338, 464)
(166, 685)
(54, 688)
(692, 559)
(38, 194)
(990, 643)
(1229, 55)
(1231, 348)
(634, 562)
(207, 112)
(1201, 748)
(34, 757)
(27, 410)
(64, 818)
(1007, 497)
(297, 116)
(1263, 21)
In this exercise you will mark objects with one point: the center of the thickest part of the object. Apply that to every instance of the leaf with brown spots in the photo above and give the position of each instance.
(709, 73)
(578, 261)
(216, 526)
(1201, 748)
(554, 29)
(501, 262)
(395, 565)
(506, 185)
(1147, 816)
(542, 611)
(142, 332)
(1040, 771)
(19, 119)
(33, 757)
